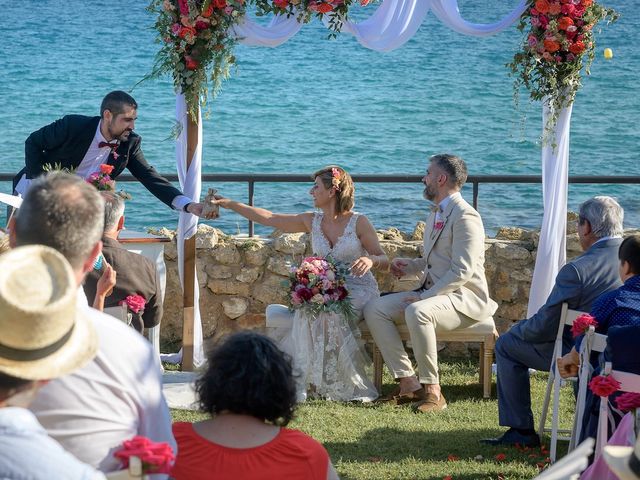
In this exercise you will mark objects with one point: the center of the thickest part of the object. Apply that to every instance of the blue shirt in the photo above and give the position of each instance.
(28, 453)
(619, 307)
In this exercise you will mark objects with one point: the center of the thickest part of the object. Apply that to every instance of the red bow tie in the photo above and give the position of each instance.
(107, 144)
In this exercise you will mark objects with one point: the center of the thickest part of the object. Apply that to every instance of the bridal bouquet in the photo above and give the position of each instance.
(318, 285)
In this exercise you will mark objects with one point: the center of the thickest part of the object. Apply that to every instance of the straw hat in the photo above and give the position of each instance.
(624, 461)
(42, 335)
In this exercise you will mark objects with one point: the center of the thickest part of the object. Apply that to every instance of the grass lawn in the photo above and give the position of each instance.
(384, 442)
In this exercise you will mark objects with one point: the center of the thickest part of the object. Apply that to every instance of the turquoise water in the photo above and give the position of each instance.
(315, 101)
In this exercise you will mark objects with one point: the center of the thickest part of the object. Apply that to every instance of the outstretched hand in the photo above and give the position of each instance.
(196, 208)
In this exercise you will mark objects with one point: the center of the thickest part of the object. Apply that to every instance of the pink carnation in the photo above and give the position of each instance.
(135, 303)
(604, 385)
(582, 323)
(628, 401)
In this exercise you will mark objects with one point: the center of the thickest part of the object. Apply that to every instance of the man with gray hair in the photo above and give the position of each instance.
(136, 274)
(453, 290)
(530, 342)
(117, 395)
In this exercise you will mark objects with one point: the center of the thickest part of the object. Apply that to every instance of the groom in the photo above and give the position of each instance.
(453, 292)
(81, 144)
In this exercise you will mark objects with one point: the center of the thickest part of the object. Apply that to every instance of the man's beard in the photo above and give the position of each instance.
(123, 136)
(428, 194)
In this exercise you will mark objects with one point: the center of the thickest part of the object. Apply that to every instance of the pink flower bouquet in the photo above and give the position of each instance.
(101, 180)
(318, 285)
(135, 303)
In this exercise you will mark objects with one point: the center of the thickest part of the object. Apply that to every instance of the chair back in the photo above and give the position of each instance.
(570, 466)
(120, 312)
(134, 472)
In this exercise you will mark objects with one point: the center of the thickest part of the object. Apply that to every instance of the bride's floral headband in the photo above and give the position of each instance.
(335, 178)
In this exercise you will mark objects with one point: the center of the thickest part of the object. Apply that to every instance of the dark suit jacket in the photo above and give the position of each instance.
(135, 275)
(66, 142)
(579, 283)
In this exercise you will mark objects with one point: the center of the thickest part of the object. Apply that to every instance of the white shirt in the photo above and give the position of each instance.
(111, 399)
(95, 156)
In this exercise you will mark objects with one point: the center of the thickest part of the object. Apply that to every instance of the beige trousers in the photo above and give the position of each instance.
(424, 318)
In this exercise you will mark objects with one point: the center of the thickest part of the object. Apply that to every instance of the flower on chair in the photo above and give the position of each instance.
(135, 303)
(156, 457)
(604, 385)
(582, 323)
(628, 401)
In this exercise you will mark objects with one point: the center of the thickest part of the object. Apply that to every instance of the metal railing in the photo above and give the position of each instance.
(475, 180)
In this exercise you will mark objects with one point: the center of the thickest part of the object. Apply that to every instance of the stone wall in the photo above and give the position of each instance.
(240, 276)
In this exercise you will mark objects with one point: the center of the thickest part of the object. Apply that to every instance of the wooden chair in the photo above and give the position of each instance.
(484, 333)
(567, 316)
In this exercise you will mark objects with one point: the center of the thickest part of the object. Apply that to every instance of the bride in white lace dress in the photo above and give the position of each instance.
(325, 350)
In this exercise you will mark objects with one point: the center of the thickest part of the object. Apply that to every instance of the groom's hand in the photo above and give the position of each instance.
(398, 267)
(196, 208)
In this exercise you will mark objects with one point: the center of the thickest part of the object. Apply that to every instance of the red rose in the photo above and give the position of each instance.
(155, 457)
(604, 385)
(305, 294)
(201, 25)
(628, 401)
(184, 7)
(281, 3)
(320, 7)
(542, 6)
(106, 169)
(208, 12)
(190, 63)
(577, 48)
(565, 22)
(184, 31)
(219, 3)
(551, 46)
(569, 9)
(582, 323)
(135, 303)
(554, 8)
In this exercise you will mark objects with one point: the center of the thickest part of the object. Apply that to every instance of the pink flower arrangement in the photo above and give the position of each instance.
(155, 457)
(101, 180)
(581, 324)
(558, 34)
(604, 385)
(318, 285)
(135, 303)
(628, 401)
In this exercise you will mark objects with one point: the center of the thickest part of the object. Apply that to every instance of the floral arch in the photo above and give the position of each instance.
(198, 37)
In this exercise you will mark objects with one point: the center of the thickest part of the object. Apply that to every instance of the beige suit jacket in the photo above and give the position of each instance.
(453, 260)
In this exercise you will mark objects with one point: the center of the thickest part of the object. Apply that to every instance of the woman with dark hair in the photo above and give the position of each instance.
(326, 352)
(249, 390)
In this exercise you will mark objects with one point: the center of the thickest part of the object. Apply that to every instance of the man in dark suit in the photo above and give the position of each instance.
(136, 275)
(81, 144)
(529, 343)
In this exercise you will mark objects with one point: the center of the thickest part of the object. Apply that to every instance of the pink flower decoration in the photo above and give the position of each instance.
(582, 323)
(135, 303)
(155, 457)
(604, 385)
(438, 225)
(628, 401)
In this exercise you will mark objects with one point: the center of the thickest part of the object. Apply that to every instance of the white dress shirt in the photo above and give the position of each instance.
(113, 398)
(95, 156)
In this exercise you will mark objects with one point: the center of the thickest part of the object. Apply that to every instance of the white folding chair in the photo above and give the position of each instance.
(592, 342)
(629, 382)
(134, 472)
(570, 467)
(120, 312)
(567, 316)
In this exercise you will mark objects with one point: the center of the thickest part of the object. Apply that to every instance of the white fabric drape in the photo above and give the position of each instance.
(392, 24)
(552, 254)
(191, 185)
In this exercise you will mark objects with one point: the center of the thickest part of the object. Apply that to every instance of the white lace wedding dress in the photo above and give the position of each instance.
(327, 355)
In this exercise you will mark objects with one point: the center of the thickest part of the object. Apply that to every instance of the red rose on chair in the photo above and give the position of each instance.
(155, 457)
(604, 385)
(135, 303)
(628, 401)
(582, 323)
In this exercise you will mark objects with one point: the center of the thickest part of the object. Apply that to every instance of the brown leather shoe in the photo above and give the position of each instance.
(431, 403)
(395, 398)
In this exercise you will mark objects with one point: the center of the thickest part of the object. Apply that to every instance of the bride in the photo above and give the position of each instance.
(325, 350)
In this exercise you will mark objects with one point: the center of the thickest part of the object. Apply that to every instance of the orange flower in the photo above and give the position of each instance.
(551, 46)
(587, 3)
(542, 6)
(106, 169)
(577, 48)
(564, 23)
(554, 8)
(452, 458)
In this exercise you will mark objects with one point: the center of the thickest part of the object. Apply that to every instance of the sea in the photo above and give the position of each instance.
(316, 101)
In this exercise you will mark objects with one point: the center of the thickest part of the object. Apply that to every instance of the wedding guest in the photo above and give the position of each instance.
(81, 144)
(136, 274)
(249, 391)
(119, 393)
(43, 337)
(348, 238)
(530, 342)
(619, 307)
(453, 292)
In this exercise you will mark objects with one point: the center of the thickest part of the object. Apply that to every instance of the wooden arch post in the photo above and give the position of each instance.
(188, 291)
